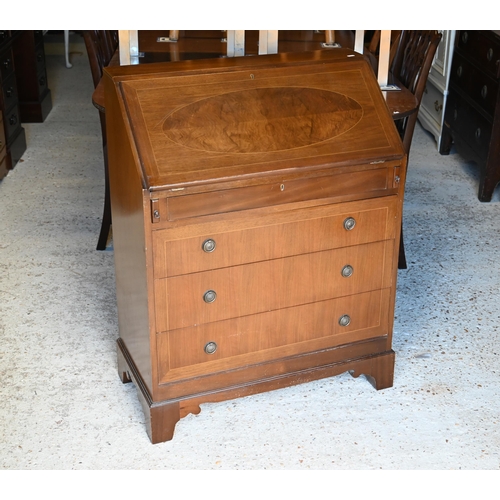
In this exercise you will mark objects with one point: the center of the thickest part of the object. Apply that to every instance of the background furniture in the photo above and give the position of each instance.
(15, 137)
(101, 45)
(35, 101)
(3, 150)
(431, 112)
(66, 49)
(411, 66)
(255, 248)
(472, 116)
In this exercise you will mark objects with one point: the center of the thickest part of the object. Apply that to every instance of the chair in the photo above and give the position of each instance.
(101, 46)
(373, 47)
(411, 65)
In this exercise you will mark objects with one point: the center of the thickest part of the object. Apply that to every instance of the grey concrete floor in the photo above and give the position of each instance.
(63, 406)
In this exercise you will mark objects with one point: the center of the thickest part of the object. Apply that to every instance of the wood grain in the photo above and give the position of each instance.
(250, 121)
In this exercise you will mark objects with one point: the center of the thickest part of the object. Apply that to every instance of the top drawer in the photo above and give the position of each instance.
(365, 182)
(219, 244)
(483, 48)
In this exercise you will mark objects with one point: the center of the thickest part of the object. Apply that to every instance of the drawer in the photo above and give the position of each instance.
(40, 59)
(42, 83)
(373, 180)
(12, 123)
(9, 90)
(276, 236)
(189, 352)
(481, 47)
(433, 102)
(478, 86)
(3, 149)
(4, 36)
(469, 124)
(3, 166)
(38, 36)
(6, 64)
(209, 296)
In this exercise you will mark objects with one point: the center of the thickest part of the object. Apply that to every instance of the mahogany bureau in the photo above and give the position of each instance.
(256, 209)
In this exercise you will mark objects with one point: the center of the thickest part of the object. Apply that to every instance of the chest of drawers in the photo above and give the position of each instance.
(472, 116)
(15, 137)
(35, 100)
(256, 216)
(3, 149)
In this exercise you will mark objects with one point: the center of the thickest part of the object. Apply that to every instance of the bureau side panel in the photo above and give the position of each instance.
(130, 239)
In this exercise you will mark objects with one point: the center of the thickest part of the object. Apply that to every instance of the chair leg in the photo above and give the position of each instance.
(106, 222)
(66, 48)
(402, 256)
(106, 214)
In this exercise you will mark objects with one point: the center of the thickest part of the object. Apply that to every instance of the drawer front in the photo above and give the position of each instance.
(42, 83)
(4, 36)
(374, 180)
(224, 345)
(483, 48)
(6, 64)
(3, 149)
(9, 90)
(319, 228)
(433, 102)
(38, 36)
(209, 296)
(478, 86)
(469, 124)
(40, 59)
(12, 123)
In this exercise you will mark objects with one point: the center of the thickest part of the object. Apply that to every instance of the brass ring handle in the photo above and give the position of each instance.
(209, 296)
(345, 320)
(208, 246)
(347, 271)
(349, 223)
(210, 347)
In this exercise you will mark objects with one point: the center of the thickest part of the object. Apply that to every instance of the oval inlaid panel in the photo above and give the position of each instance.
(262, 120)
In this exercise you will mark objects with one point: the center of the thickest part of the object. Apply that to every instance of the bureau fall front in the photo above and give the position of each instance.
(256, 206)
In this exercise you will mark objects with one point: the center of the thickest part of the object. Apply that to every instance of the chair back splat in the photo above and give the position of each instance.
(411, 65)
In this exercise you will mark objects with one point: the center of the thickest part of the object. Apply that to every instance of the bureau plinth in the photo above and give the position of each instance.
(256, 220)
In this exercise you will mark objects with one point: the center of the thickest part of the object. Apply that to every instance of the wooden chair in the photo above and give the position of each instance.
(101, 46)
(411, 65)
(373, 47)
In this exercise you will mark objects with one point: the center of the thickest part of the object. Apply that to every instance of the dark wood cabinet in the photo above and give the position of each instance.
(15, 138)
(472, 116)
(35, 101)
(256, 209)
(3, 150)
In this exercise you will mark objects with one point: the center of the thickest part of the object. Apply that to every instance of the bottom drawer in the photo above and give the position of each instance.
(3, 166)
(225, 345)
(468, 124)
(432, 102)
